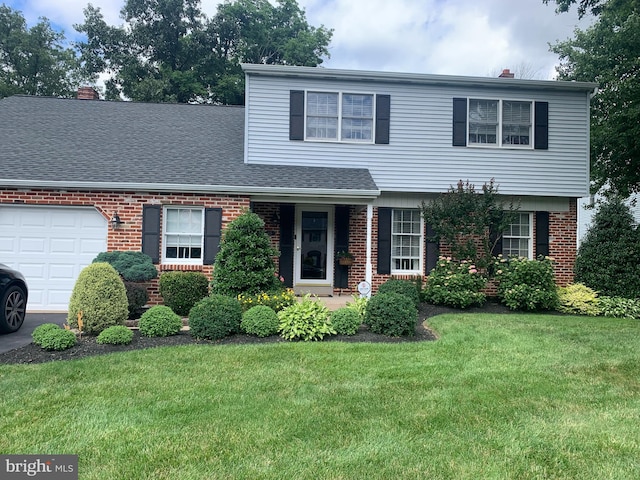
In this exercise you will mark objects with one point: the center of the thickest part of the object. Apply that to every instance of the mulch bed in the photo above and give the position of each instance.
(87, 346)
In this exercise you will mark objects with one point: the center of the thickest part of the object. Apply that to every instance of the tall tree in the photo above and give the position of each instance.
(608, 53)
(34, 61)
(169, 51)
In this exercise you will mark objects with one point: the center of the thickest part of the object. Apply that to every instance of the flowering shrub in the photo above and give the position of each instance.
(525, 284)
(578, 299)
(455, 284)
(276, 301)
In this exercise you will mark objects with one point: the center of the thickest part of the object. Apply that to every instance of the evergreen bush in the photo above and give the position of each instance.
(115, 335)
(578, 299)
(40, 332)
(346, 321)
(57, 339)
(260, 320)
(180, 291)
(215, 317)
(159, 321)
(101, 297)
(137, 298)
(305, 320)
(132, 266)
(403, 287)
(391, 314)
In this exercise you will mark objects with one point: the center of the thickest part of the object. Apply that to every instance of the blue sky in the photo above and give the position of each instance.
(456, 37)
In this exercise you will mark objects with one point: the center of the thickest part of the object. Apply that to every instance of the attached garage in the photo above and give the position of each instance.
(50, 246)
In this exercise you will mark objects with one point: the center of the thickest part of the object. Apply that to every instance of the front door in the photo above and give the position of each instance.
(314, 247)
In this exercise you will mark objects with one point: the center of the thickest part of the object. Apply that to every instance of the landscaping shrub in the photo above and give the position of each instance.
(346, 321)
(619, 307)
(245, 262)
(276, 301)
(578, 299)
(101, 297)
(40, 331)
(57, 339)
(526, 284)
(159, 321)
(609, 254)
(215, 317)
(403, 287)
(137, 298)
(391, 314)
(359, 304)
(132, 266)
(305, 320)
(260, 320)
(116, 335)
(455, 284)
(180, 291)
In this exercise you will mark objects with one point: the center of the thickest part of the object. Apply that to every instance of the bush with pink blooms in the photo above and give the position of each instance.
(456, 284)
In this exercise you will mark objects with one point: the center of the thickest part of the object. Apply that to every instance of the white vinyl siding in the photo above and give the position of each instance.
(517, 240)
(183, 235)
(406, 241)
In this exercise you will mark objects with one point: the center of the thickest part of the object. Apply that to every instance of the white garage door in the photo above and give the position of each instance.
(50, 245)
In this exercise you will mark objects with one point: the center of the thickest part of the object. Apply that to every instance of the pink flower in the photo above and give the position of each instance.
(473, 270)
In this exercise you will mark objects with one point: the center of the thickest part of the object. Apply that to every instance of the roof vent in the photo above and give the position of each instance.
(88, 93)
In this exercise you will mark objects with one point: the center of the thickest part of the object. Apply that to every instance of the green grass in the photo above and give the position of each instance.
(513, 396)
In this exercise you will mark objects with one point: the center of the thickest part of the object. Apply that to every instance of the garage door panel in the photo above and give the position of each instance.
(63, 246)
(63, 272)
(7, 245)
(28, 245)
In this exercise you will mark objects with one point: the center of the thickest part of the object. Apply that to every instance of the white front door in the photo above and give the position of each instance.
(313, 263)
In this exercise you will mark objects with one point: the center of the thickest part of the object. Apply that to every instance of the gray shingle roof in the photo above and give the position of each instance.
(64, 142)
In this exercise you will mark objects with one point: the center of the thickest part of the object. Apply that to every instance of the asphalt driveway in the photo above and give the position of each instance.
(22, 337)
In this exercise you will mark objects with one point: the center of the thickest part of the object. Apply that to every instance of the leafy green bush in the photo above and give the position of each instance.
(305, 320)
(455, 284)
(180, 291)
(57, 339)
(619, 307)
(132, 266)
(40, 331)
(137, 298)
(116, 335)
(346, 321)
(101, 297)
(215, 317)
(159, 321)
(260, 320)
(578, 299)
(403, 287)
(526, 284)
(276, 300)
(245, 262)
(359, 304)
(391, 314)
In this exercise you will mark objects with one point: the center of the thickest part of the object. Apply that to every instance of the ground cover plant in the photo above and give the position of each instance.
(497, 396)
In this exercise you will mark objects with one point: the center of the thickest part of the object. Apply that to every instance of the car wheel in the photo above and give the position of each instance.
(13, 309)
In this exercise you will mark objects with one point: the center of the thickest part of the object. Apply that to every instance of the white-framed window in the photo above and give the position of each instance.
(406, 241)
(339, 116)
(494, 122)
(517, 240)
(183, 235)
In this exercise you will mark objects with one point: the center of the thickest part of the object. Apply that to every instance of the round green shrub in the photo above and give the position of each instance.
(116, 335)
(159, 321)
(41, 331)
(260, 320)
(305, 320)
(180, 291)
(132, 266)
(101, 297)
(403, 287)
(526, 284)
(391, 314)
(58, 339)
(346, 321)
(578, 299)
(137, 298)
(215, 317)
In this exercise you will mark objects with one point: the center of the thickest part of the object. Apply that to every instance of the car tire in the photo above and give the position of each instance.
(13, 309)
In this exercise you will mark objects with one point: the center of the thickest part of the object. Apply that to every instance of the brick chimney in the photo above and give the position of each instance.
(506, 73)
(88, 93)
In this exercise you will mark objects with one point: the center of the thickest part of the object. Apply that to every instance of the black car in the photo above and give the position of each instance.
(13, 299)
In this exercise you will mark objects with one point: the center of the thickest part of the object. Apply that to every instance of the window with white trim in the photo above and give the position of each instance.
(344, 116)
(495, 122)
(183, 235)
(406, 240)
(517, 240)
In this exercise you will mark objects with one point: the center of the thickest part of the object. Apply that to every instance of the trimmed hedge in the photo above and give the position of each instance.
(215, 317)
(159, 321)
(391, 314)
(180, 291)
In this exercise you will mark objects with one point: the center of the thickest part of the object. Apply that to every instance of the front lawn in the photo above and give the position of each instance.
(497, 396)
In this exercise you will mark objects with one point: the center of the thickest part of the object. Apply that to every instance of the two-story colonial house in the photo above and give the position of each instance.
(332, 160)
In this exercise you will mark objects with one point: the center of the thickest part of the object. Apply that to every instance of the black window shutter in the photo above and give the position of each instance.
(151, 231)
(341, 272)
(383, 116)
(541, 126)
(287, 247)
(384, 240)
(432, 249)
(542, 233)
(296, 115)
(459, 122)
(212, 233)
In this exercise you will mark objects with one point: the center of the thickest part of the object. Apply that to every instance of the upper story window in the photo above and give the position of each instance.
(183, 239)
(343, 116)
(500, 122)
(406, 240)
(517, 240)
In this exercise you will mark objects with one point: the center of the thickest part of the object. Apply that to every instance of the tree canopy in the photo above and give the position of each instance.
(608, 53)
(170, 51)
